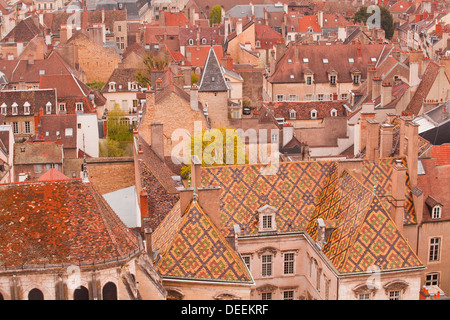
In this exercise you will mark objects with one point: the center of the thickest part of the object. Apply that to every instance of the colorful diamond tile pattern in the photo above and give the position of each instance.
(377, 176)
(293, 190)
(198, 251)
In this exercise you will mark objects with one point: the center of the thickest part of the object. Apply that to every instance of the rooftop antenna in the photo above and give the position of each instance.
(85, 174)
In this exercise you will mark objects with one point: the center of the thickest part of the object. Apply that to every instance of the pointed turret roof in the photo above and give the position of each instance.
(212, 79)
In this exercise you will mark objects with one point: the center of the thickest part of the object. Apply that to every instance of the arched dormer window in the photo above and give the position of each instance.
(266, 216)
(313, 114)
(204, 41)
(191, 42)
(292, 114)
(26, 108)
(112, 86)
(333, 113)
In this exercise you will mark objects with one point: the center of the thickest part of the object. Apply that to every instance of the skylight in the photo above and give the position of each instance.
(305, 60)
(325, 60)
(351, 60)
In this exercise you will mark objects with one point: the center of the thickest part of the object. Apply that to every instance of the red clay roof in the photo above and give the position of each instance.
(175, 19)
(53, 175)
(199, 54)
(59, 222)
(441, 154)
(305, 22)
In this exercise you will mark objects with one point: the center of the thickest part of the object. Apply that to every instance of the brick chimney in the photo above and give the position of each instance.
(376, 87)
(386, 93)
(372, 142)
(194, 97)
(398, 193)
(143, 204)
(386, 139)
(157, 139)
(412, 152)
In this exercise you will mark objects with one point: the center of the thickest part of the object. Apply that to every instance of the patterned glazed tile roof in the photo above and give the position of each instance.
(56, 222)
(293, 191)
(198, 251)
(363, 232)
(378, 175)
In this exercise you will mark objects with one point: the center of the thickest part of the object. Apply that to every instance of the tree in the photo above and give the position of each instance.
(215, 16)
(96, 85)
(117, 124)
(152, 61)
(194, 78)
(212, 145)
(386, 23)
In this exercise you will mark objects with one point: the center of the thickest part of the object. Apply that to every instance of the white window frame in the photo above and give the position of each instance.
(62, 107)
(293, 97)
(292, 115)
(15, 109)
(434, 249)
(432, 279)
(78, 105)
(26, 108)
(395, 295)
(48, 108)
(333, 113)
(309, 80)
(289, 263)
(27, 127)
(280, 97)
(267, 265)
(436, 212)
(313, 114)
(288, 295)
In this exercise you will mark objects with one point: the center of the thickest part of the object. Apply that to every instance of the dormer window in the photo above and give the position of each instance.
(204, 41)
(333, 79)
(112, 86)
(292, 115)
(26, 108)
(191, 42)
(313, 114)
(79, 106)
(48, 108)
(258, 43)
(333, 113)
(3, 109)
(436, 212)
(15, 109)
(309, 80)
(356, 78)
(266, 216)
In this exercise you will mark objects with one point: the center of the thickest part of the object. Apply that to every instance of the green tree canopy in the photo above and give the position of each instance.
(215, 16)
(152, 61)
(212, 146)
(386, 23)
(117, 124)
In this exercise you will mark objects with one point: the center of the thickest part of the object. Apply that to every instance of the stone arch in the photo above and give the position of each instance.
(35, 294)
(226, 296)
(109, 291)
(81, 293)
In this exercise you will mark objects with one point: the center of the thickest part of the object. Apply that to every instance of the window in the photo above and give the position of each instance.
(344, 96)
(313, 114)
(308, 80)
(204, 41)
(351, 60)
(308, 97)
(280, 97)
(434, 249)
(267, 221)
(333, 113)
(320, 97)
(292, 115)
(356, 79)
(318, 274)
(26, 108)
(394, 295)
(119, 28)
(48, 108)
(27, 127)
(62, 107)
(288, 263)
(112, 86)
(15, 109)
(436, 212)
(37, 168)
(266, 296)
(364, 296)
(291, 76)
(293, 97)
(333, 80)
(15, 127)
(288, 295)
(79, 106)
(266, 261)
(246, 261)
(3, 109)
(191, 42)
(305, 60)
(325, 61)
(432, 279)
(69, 132)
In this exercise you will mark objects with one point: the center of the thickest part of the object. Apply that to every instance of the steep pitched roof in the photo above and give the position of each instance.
(428, 78)
(198, 251)
(307, 22)
(24, 31)
(45, 222)
(245, 188)
(199, 54)
(363, 232)
(53, 175)
(212, 78)
(37, 152)
(36, 98)
(303, 109)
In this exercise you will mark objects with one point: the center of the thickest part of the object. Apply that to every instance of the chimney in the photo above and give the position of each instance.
(414, 73)
(162, 18)
(148, 237)
(238, 27)
(412, 152)
(376, 87)
(30, 59)
(320, 18)
(194, 97)
(372, 142)
(19, 48)
(398, 193)
(371, 70)
(386, 140)
(386, 94)
(157, 142)
(143, 204)
(320, 233)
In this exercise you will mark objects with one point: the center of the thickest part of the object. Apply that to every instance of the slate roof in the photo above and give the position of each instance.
(212, 79)
(24, 31)
(59, 222)
(198, 251)
(121, 76)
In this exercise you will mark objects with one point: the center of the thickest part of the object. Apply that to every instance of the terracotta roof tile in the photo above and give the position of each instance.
(441, 154)
(59, 222)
